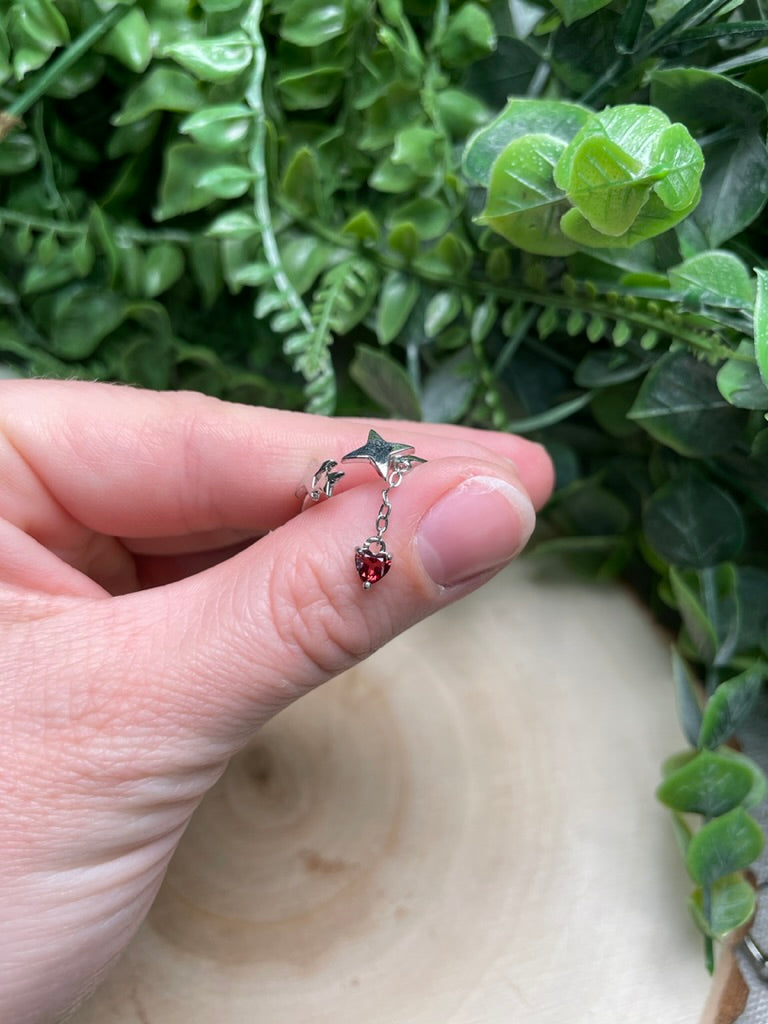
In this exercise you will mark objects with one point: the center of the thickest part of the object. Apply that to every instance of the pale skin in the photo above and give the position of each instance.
(161, 597)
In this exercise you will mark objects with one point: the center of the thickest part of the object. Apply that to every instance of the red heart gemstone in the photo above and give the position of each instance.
(371, 568)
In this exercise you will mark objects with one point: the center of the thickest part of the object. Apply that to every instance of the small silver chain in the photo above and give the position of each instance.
(395, 478)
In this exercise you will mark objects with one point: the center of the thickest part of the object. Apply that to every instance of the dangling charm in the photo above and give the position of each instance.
(391, 461)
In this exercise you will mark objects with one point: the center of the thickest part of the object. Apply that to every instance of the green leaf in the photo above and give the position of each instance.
(310, 88)
(716, 278)
(734, 186)
(307, 23)
(160, 89)
(442, 309)
(448, 390)
(130, 41)
(18, 153)
(730, 706)
(731, 903)
(708, 784)
(301, 181)
(679, 404)
(520, 117)
(224, 126)
(689, 710)
(691, 522)
(574, 10)
(761, 324)
(704, 100)
(181, 185)
(701, 629)
(524, 204)
(82, 319)
(417, 148)
(605, 184)
(385, 382)
(397, 298)
(214, 59)
(739, 380)
(224, 181)
(163, 266)
(469, 35)
(729, 843)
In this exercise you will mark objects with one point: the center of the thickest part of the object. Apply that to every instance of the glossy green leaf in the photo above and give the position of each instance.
(761, 323)
(442, 309)
(524, 204)
(520, 117)
(416, 148)
(215, 58)
(606, 185)
(730, 904)
(40, 22)
(679, 404)
(398, 296)
(161, 88)
(717, 278)
(224, 181)
(130, 41)
(385, 382)
(429, 216)
(730, 706)
(729, 843)
(223, 126)
(692, 522)
(701, 632)
(739, 380)
(309, 23)
(707, 784)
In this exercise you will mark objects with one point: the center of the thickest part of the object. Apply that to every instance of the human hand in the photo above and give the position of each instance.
(144, 636)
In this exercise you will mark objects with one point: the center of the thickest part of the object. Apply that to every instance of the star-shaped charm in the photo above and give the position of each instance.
(380, 453)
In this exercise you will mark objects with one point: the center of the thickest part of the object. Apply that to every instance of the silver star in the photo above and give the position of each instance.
(379, 453)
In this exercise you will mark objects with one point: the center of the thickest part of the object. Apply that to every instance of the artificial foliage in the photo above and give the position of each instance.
(543, 217)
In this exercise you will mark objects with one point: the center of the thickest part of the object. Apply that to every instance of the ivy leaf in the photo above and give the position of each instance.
(386, 382)
(729, 843)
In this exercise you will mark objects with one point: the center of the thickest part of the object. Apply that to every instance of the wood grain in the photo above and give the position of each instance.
(460, 831)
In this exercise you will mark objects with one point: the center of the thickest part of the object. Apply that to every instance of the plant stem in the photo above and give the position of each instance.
(11, 117)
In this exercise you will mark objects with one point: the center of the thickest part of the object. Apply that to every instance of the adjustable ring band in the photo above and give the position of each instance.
(392, 461)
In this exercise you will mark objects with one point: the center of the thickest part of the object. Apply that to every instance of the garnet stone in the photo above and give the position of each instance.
(371, 568)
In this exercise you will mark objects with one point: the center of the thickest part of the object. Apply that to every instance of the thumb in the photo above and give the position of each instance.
(247, 637)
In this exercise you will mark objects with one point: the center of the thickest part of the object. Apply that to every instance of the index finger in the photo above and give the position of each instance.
(133, 463)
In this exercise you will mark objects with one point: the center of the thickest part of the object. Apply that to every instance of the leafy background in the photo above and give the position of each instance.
(334, 207)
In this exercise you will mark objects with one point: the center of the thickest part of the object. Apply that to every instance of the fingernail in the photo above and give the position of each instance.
(478, 526)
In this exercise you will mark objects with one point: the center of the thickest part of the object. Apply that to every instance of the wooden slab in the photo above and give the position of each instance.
(461, 831)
